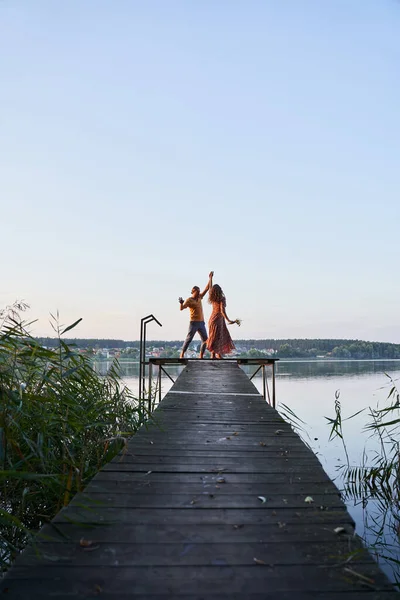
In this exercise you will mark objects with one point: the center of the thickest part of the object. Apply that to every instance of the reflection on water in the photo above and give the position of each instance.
(295, 369)
(335, 368)
(128, 368)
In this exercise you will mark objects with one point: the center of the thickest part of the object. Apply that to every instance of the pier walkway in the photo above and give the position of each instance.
(218, 499)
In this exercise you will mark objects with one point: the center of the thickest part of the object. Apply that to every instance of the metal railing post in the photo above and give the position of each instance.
(264, 382)
(142, 352)
(150, 378)
(159, 383)
(273, 385)
(261, 364)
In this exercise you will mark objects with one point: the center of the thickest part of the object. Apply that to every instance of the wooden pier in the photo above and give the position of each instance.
(217, 499)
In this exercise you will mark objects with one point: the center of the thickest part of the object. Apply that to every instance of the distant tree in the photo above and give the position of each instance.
(253, 352)
(285, 351)
(341, 352)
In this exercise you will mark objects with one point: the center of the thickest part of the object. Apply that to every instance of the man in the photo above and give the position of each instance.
(196, 325)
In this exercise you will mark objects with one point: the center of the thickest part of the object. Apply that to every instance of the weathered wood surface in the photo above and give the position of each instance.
(207, 502)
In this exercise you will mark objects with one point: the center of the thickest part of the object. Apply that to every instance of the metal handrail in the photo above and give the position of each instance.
(142, 351)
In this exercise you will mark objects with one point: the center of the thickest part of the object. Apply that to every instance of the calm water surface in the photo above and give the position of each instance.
(308, 388)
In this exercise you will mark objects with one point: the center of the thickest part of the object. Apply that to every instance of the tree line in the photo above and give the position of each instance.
(281, 348)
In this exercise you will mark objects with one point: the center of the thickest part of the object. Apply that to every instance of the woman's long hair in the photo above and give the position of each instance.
(216, 294)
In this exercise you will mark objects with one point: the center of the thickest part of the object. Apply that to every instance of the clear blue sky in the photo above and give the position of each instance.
(144, 143)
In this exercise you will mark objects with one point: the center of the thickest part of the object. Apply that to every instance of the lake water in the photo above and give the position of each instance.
(308, 388)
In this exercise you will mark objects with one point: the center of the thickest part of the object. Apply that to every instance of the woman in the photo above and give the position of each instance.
(219, 339)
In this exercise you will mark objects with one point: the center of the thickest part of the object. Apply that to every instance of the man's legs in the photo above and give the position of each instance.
(190, 335)
(204, 337)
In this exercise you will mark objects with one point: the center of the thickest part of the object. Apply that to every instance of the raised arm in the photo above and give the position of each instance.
(208, 286)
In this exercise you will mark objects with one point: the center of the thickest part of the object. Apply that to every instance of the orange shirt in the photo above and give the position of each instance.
(195, 307)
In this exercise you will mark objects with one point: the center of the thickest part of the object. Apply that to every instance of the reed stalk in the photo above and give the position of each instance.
(60, 422)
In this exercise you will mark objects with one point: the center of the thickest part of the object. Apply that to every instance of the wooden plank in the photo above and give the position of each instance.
(209, 452)
(275, 435)
(207, 499)
(285, 478)
(212, 579)
(197, 514)
(178, 422)
(222, 466)
(252, 463)
(167, 487)
(197, 533)
(198, 437)
(193, 553)
(225, 445)
(191, 414)
(22, 590)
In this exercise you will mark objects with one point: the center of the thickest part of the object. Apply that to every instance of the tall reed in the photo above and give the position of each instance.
(375, 482)
(59, 423)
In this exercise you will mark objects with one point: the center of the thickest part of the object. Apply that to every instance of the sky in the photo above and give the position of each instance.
(143, 144)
